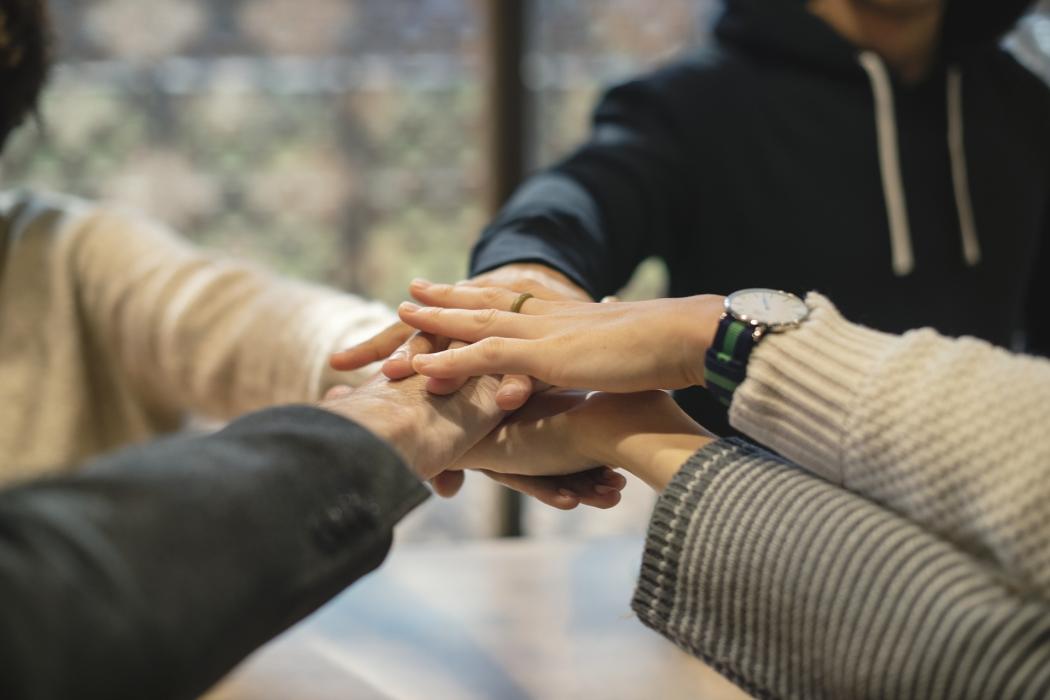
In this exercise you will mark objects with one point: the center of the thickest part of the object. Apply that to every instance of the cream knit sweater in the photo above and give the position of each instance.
(916, 565)
(112, 330)
(953, 434)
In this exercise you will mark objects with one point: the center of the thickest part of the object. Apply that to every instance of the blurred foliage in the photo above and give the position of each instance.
(337, 140)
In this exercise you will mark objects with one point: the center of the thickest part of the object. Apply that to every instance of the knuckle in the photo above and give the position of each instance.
(491, 296)
(485, 317)
(491, 349)
(533, 287)
(441, 291)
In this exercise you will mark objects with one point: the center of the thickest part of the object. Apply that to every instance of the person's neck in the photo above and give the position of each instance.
(907, 40)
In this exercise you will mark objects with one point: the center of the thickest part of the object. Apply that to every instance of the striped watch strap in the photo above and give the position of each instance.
(725, 364)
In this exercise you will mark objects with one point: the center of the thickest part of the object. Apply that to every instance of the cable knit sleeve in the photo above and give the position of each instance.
(210, 335)
(952, 433)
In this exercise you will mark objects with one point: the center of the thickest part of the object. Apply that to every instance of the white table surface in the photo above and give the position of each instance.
(503, 619)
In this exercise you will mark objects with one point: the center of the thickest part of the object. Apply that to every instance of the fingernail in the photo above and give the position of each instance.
(398, 355)
(409, 307)
(603, 490)
(514, 394)
(608, 475)
(420, 282)
(567, 493)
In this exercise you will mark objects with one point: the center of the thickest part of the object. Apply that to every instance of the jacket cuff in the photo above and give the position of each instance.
(802, 387)
(350, 466)
(511, 244)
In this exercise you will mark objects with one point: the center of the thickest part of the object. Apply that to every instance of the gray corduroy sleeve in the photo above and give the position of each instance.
(793, 587)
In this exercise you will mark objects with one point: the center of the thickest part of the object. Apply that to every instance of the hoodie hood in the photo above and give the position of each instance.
(784, 28)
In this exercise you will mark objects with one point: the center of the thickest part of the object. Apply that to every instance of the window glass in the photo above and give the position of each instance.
(329, 139)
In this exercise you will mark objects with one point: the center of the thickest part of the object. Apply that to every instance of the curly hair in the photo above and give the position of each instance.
(25, 50)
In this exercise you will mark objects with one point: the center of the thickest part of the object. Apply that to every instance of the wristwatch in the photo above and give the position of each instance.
(749, 314)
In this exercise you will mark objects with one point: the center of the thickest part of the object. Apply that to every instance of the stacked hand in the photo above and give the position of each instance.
(399, 344)
(620, 347)
(556, 338)
(562, 432)
(432, 433)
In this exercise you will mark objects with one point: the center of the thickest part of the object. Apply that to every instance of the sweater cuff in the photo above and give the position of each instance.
(802, 387)
(666, 578)
(668, 531)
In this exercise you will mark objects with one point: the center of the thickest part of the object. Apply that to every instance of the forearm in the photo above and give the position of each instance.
(154, 571)
(795, 588)
(620, 198)
(551, 221)
(202, 334)
(655, 458)
(644, 434)
(950, 433)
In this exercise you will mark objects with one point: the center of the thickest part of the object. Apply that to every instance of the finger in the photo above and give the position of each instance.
(470, 325)
(594, 487)
(544, 489)
(447, 484)
(443, 387)
(598, 488)
(611, 477)
(399, 365)
(514, 390)
(451, 296)
(376, 348)
(489, 356)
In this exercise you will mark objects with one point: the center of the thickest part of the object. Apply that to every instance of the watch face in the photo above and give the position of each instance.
(767, 307)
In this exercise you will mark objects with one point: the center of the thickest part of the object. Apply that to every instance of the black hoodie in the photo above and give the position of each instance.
(783, 156)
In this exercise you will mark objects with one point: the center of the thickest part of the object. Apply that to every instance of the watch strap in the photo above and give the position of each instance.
(725, 364)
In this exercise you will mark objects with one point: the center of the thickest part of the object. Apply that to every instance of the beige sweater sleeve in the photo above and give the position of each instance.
(209, 335)
(952, 433)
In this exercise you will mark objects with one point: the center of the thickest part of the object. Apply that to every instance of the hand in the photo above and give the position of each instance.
(597, 488)
(619, 347)
(431, 432)
(400, 343)
(562, 432)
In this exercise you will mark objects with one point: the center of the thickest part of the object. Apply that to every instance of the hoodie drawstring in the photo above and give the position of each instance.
(889, 164)
(960, 181)
(903, 259)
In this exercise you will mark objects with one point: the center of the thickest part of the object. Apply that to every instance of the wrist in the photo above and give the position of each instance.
(699, 324)
(540, 273)
(646, 434)
(656, 456)
(398, 426)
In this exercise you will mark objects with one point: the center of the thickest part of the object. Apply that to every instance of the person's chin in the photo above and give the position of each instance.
(900, 8)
